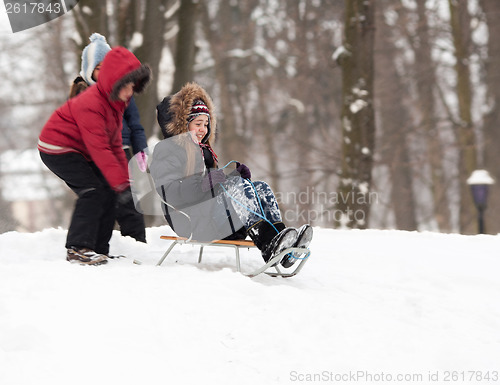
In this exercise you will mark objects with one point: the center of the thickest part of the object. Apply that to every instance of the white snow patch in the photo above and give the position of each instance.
(87, 10)
(341, 50)
(480, 177)
(136, 41)
(300, 107)
(346, 123)
(357, 105)
(368, 301)
(363, 188)
(359, 92)
(268, 56)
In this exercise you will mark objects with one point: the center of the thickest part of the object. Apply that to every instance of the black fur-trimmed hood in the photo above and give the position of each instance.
(173, 111)
(140, 77)
(120, 67)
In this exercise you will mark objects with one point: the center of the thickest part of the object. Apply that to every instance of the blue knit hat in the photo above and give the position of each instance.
(92, 55)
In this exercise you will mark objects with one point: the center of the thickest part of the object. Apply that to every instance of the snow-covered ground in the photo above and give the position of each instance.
(369, 307)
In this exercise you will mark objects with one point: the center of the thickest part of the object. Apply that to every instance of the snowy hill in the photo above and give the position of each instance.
(370, 306)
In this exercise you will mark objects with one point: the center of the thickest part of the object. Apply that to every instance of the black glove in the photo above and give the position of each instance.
(211, 179)
(124, 197)
(243, 170)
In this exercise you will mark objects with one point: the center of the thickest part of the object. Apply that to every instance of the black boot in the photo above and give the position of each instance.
(272, 239)
(303, 240)
(237, 236)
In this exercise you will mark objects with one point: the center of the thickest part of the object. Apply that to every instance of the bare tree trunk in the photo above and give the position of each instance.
(426, 81)
(93, 19)
(128, 20)
(150, 52)
(358, 120)
(491, 10)
(232, 143)
(186, 44)
(303, 130)
(268, 133)
(460, 21)
(395, 126)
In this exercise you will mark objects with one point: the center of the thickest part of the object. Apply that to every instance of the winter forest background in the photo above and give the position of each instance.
(360, 113)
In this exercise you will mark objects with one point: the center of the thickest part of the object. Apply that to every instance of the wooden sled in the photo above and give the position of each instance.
(302, 254)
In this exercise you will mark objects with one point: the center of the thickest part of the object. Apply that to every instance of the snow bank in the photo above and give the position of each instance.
(368, 303)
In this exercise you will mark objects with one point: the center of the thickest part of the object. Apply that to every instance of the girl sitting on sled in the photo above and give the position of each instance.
(206, 202)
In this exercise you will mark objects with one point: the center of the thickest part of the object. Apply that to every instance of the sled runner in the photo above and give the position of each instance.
(302, 254)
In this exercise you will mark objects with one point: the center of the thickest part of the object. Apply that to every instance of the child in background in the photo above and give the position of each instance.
(131, 221)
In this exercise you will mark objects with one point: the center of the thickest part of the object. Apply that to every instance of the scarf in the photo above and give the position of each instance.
(207, 149)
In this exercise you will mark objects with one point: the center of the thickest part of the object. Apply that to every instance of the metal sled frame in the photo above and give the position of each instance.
(301, 254)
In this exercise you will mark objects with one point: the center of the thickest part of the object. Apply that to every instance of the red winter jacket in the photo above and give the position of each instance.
(91, 123)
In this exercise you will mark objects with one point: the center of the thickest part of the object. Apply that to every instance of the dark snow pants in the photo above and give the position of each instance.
(94, 214)
(252, 202)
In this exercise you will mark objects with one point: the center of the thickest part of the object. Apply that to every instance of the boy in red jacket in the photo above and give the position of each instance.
(81, 143)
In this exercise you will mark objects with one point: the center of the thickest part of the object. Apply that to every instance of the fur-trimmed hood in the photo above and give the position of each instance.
(91, 122)
(173, 111)
(120, 67)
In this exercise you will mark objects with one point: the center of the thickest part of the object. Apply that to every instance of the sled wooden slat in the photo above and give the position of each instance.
(243, 243)
(237, 245)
